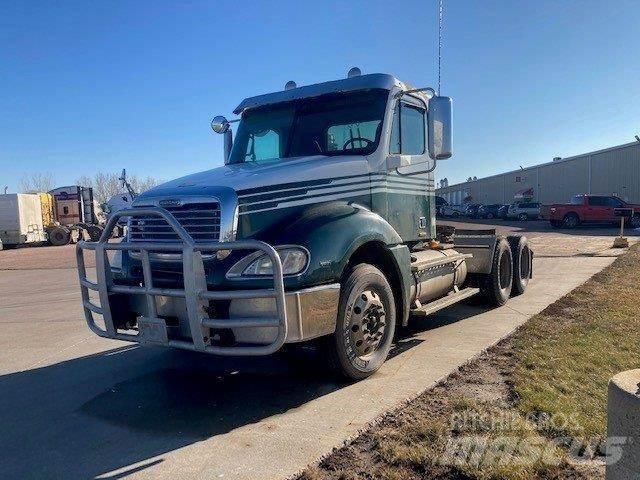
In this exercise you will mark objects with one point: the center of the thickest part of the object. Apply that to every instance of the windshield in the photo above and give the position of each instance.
(341, 124)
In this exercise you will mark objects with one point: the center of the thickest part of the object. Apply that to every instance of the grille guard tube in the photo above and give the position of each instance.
(195, 291)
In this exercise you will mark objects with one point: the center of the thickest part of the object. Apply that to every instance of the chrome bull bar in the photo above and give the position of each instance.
(195, 292)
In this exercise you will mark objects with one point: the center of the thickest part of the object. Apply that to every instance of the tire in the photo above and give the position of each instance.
(570, 220)
(95, 232)
(521, 254)
(496, 286)
(523, 217)
(489, 216)
(361, 341)
(455, 214)
(634, 222)
(59, 236)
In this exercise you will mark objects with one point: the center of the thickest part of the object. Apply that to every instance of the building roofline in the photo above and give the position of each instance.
(567, 159)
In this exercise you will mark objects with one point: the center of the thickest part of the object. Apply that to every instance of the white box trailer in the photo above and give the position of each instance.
(21, 219)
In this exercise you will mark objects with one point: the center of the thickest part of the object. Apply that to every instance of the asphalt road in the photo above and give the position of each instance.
(73, 405)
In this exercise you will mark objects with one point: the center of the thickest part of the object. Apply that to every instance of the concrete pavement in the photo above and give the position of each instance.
(73, 405)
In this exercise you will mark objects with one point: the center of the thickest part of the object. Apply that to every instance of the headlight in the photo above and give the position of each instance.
(258, 264)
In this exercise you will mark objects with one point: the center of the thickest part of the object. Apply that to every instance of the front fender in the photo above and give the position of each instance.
(331, 232)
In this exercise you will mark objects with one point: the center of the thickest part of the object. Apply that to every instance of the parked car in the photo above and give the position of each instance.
(454, 211)
(524, 210)
(440, 203)
(489, 211)
(472, 210)
(589, 209)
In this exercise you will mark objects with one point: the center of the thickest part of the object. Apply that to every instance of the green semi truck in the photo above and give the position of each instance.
(319, 227)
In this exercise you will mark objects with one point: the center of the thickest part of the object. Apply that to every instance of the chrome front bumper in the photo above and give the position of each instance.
(261, 320)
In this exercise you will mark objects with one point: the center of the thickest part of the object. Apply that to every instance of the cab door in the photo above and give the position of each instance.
(597, 210)
(410, 190)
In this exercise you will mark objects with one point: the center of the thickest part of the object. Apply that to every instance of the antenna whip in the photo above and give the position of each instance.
(439, 44)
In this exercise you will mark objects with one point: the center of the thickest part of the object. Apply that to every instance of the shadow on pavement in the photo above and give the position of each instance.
(95, 415)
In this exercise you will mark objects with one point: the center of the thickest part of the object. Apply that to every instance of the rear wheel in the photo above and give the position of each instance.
(489, 216)
(570, 220)
(59, 236)
(521, 254)
(365, 326)
(523, 217)
(496, 286)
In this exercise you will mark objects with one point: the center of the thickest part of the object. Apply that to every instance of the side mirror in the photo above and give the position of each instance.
(219, 124)
(439, 126)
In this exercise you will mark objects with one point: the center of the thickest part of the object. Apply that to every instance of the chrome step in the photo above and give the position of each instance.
(444, 302)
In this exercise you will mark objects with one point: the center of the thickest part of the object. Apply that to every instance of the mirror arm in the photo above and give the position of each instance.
(228, 143)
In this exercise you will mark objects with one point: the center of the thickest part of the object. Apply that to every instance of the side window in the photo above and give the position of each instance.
(263, 146)
(407, 132)
(598, 201)
(614, 202)
(577, 200)
(351, 136)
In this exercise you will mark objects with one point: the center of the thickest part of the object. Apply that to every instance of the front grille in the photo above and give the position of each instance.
(200, 220)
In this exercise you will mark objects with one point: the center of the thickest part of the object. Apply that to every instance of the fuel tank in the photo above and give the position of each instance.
(436, 273)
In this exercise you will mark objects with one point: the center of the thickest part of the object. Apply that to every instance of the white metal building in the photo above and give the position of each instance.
(614, 170)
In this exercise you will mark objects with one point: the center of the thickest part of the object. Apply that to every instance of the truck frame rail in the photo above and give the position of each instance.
(152, 329)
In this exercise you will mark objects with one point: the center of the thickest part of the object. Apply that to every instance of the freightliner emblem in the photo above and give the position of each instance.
(170, 203)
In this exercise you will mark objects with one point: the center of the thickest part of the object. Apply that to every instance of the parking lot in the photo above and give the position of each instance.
(73, 405)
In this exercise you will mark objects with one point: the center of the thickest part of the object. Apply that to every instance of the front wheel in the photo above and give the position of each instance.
(634, 221)
(570, 220)
(365, 325)
(59, 236)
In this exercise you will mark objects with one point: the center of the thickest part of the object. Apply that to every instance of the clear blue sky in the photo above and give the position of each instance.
(89, 86)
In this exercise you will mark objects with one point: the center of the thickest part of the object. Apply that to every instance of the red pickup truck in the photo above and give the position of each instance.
(588, 209)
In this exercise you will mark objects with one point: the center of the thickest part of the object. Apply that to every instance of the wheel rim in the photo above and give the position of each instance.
(368, 323)
(570, 221)
(505, 271)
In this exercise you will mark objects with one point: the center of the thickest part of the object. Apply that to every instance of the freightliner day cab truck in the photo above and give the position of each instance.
(320, 226)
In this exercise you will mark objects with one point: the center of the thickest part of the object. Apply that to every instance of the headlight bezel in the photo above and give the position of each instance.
(237, 270)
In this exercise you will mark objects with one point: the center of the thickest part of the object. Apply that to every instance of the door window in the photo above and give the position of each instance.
(598, 201)
(408, 131)
(614, 202)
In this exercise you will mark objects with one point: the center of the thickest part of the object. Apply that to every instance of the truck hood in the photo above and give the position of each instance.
(248, 175)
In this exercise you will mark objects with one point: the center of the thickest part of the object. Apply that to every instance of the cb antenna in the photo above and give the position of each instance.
(440, 9)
